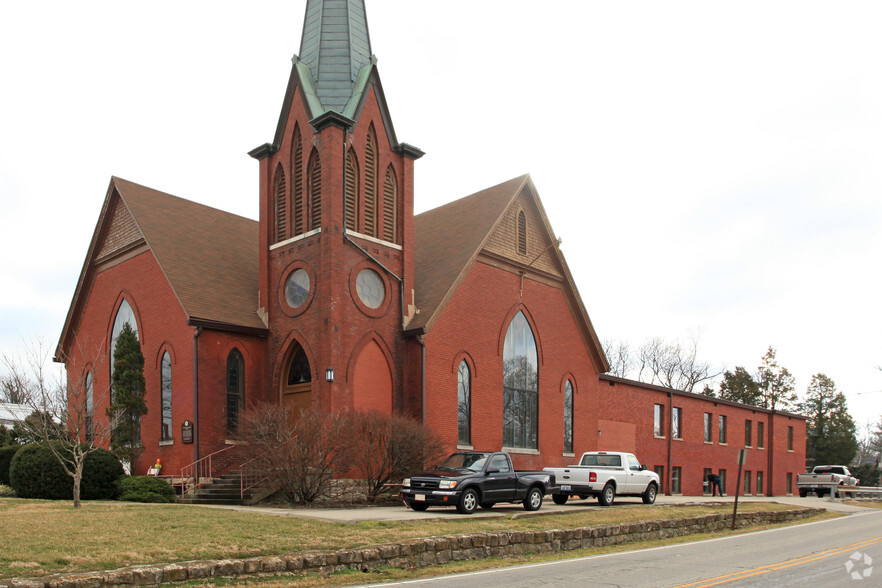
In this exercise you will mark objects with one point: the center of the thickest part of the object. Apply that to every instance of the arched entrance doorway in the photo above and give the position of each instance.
(297, 384)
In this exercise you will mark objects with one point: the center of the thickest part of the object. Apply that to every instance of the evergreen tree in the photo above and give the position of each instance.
(831, 432)
(127, 395)
(776, 384)
(739, 386)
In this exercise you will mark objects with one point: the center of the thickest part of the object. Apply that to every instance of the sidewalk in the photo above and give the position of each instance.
(402, 513)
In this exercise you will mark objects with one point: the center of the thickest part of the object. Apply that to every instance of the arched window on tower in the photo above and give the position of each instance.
(390, 206)
(314, 190)
(280, 193)
(568, 417)
(522, 233)
(464, 403)
(297, 175)
(370, 183)
(350, 192)
(235, 389)
(520, 381)
(165, 371)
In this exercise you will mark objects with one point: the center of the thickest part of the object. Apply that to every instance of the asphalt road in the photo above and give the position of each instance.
(838, 552)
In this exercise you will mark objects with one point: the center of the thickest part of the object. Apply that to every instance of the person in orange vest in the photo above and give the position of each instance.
(154, 471)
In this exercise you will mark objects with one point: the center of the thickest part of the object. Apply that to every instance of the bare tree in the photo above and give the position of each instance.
(62, 411)
(673, 365)
(620, 357)
(15, 388)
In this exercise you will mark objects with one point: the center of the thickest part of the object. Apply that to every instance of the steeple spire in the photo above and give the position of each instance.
(336, 48)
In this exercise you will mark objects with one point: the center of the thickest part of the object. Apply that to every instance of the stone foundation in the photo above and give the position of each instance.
(413, 553)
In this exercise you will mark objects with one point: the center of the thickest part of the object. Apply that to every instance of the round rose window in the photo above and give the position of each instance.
(370, 288)
(297, 288)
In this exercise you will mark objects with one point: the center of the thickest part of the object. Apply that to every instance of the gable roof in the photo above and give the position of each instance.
(214, 279)
(449, 239)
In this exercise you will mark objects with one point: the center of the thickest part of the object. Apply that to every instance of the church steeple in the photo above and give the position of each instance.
(336, 49)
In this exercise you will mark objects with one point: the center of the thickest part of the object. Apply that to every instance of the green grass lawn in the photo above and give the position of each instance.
(41, 537)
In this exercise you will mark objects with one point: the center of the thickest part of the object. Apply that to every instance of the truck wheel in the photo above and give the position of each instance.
(607, 495)
(560, 498)
(803, 493)
(419, 506)
(533, 501)
(468, 502)
(649, 494)
(820, 493)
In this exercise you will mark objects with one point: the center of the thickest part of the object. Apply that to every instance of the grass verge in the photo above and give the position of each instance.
(45, 537)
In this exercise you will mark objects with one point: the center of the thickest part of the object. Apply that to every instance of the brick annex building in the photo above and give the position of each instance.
(465, 317)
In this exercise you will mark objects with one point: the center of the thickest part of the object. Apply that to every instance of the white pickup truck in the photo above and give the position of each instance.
(604, 474)
(823, 479)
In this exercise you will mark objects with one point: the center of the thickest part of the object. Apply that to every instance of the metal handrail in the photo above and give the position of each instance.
(193, 474)
(249, 477)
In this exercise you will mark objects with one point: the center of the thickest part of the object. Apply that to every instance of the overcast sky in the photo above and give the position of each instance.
(713, 168)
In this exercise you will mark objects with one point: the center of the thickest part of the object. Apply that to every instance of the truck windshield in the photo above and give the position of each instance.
(464, 461)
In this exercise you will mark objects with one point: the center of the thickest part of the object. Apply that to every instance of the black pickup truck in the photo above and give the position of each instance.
(468, 479)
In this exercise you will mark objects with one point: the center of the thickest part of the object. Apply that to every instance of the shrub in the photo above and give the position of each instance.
(144, 489)
(35, 472)
(6, 454)
(391, 447)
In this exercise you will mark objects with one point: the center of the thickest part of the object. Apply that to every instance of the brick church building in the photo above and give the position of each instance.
(339, 297)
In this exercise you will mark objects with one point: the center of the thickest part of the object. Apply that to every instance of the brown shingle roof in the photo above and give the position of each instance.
(210, 257)
(448, 239)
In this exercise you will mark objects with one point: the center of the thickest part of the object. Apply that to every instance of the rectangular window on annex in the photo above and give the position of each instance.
(658, 427)
(747, 482)
(789, 438)
(708, 426)
(676, 421)
(748, 433)
(759, 483)
(722, 427)
(705, 482)
(760, 434)
(675, 479)
(789, 488)
(723, 481)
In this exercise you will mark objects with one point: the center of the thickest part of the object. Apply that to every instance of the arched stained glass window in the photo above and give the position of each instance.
(298, 369)
(90, 407)
(235, 389)
(124, 315)
(165, 371)
(520, 380)
(464, 403)
(568, 417)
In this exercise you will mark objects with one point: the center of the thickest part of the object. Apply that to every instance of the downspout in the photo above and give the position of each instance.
(668, 473)
(196, 332)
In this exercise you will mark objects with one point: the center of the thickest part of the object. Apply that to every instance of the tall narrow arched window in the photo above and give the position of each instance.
(235, 389)
(124, 315)
(464, 403)
(280, 194)
(297, 175)
(568, 417)
(520, 380)
(165, 383)
(370, 183)
(390, 206)
(522, 233)
(314, 191)
(350, 192)
(89, 388)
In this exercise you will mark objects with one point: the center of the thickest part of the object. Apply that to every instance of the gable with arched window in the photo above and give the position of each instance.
(235, 389)
(464, 402)
(350, 192)
(280, 194)
(165, 403)
(390, 206)
(520, 394)
(297, 176)
(314, 191)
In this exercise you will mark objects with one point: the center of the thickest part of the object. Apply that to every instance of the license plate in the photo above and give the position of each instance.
(566, 487)
(419, 497)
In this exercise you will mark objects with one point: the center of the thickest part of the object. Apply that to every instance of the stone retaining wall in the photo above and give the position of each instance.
(412, 553)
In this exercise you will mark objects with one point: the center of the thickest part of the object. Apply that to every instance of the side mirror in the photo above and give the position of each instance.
(642, 467)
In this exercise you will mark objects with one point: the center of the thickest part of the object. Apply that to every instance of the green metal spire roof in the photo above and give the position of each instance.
(336, 48)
